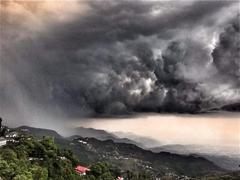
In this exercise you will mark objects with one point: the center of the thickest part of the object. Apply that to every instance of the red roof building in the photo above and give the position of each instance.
(81, 170)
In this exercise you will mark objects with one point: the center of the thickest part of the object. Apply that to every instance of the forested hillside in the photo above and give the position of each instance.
(26, 157)
(29, 154)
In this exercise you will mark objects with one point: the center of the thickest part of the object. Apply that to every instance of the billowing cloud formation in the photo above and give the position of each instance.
(117, 57)
(226, 56)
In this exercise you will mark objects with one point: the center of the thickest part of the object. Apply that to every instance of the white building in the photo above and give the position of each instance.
(3, 141)
(12, 135)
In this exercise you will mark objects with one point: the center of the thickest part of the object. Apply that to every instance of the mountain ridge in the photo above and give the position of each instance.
(130, 156)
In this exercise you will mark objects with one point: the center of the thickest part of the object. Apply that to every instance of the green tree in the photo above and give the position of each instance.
(39, 173)
(106, 176)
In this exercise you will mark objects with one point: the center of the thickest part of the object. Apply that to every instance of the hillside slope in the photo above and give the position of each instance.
(130, 156)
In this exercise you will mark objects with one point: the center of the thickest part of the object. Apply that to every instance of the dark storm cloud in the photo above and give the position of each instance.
(226, 56)
(117, 58)
(111, 21)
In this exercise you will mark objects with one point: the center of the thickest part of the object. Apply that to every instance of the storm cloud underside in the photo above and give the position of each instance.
(118, 57)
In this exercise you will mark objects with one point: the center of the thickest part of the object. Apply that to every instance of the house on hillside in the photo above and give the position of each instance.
(6, 135)
(3, 141)
(81, 170)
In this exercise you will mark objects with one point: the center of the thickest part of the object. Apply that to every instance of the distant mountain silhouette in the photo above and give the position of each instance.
(103, 135)
(227, 161)
(38, 132)
(146, 142)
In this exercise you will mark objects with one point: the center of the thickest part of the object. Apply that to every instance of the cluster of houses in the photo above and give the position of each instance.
(6, 135)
